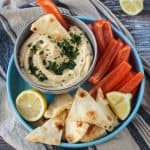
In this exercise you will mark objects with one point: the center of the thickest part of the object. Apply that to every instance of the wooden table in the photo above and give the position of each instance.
(139, 26)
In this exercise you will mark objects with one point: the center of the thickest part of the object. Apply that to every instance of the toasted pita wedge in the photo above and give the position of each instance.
(103, 104)
(93, 133)
(49, 133)
(86, 109)
(59, 104)
(49, 25)
(75, 130)
(63, 115)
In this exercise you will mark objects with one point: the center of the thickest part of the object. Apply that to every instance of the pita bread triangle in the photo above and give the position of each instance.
(59, 104)
(93, 133)
(49, 133)
(86, 109)
(75, 130)
(103, 104)
(49, 25)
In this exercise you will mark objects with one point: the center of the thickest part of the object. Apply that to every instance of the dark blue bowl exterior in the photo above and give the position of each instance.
(15, 84)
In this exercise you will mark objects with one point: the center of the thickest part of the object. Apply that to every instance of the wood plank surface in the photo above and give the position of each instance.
(139, 26)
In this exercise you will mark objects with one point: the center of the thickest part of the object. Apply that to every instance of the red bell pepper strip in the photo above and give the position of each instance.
(112, 79)
(130, 75)
(133, 83)
(107, 31)
(105, 62)
(123, 55)
(98, 31)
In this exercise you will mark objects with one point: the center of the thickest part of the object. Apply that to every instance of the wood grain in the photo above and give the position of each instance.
(139, 26)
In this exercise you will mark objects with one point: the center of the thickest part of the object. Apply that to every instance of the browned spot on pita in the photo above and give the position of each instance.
(79, 123)
(59, 125)
(69, 138)
(91, 115)
(51, 20)
(108, 127)
(34, 29)
(82, 94)
(91, 129)
(109, 118)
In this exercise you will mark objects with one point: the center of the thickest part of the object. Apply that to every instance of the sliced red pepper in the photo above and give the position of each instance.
(107, 31)
(112, 79)
(124, 81)
(105, 62)
(133, 83)
(98, 31)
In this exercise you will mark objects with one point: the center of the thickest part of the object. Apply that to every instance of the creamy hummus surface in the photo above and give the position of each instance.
(54, 62)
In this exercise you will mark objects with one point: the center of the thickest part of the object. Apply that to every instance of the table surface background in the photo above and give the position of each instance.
(139, 26)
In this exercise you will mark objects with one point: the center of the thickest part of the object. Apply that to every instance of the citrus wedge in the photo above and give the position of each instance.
(31, 104)
(120, 103)
(131, 7)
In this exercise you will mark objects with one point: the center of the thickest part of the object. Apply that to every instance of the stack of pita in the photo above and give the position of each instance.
(83, 119)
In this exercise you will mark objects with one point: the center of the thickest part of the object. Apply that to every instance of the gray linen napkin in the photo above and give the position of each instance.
(13, 20)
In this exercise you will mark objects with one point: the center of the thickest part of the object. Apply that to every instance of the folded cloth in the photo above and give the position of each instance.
(14, 15)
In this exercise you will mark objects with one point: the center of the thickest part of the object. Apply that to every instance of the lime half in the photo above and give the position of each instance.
(131, 7)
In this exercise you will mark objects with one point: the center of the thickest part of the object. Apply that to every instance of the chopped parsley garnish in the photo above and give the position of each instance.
(58, 69)
(69, 49)
(69, 46)
(71, 64)
(41, 52)
(35, 71)
(44, 62)
(29, 45)
(36, 47)
(49, 37)
(41, 41)
(76, 39)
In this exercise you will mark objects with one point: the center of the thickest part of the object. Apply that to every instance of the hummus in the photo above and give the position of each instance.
(50, 62)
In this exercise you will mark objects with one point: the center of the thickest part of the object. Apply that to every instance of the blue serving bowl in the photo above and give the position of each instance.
(15, 84)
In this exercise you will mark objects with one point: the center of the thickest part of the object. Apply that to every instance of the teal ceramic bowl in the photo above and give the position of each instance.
(15, 84)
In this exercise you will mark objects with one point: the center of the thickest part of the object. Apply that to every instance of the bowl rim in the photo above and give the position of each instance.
(55, 90)
(110, 135)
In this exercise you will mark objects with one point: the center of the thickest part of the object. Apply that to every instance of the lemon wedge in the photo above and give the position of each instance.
(120, 103)
(31, 104)
(131, 7)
